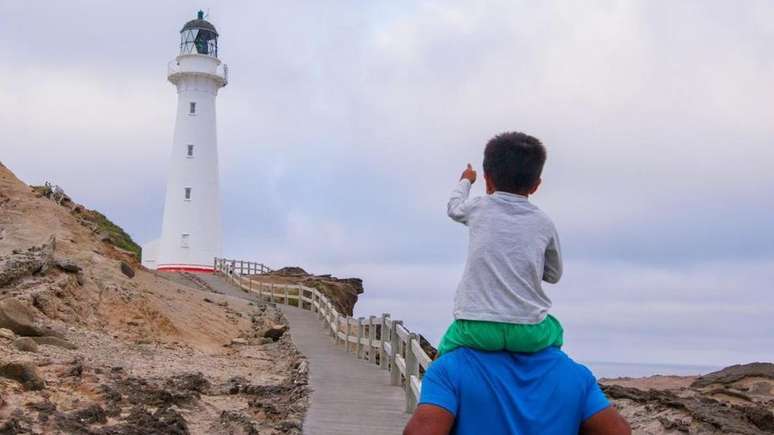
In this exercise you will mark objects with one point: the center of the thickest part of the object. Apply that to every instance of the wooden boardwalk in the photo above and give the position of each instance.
(349, 396)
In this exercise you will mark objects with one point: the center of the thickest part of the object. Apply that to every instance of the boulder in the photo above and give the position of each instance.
(7, 334)
(127, 270)
(51, 340)
(18, 317)
(67, 265)
(22, 263)
(23, 372)
(275, 332)
(26, 344)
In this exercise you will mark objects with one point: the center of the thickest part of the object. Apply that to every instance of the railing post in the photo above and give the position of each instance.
(412, 369)
(347, 346)
(338, 326)
(371, 338)
(359, 347)
(215, 265)
(287, 297)
(395, 348)
(382, 335)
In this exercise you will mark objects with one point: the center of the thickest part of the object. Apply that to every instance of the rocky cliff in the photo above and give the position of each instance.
(735, 400)
(342, 292)
(90, 342)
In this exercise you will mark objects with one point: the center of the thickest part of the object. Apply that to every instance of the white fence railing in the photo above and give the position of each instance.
(240, 267)
(380, 340)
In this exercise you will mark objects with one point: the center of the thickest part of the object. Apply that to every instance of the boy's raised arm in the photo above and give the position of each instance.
(552, 270)
(458, 206)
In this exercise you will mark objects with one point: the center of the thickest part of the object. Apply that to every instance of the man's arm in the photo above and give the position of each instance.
(605, 422)
(430, 420)
(458, 206)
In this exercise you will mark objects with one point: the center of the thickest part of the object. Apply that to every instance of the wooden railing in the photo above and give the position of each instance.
(240, 267)
(380, 340)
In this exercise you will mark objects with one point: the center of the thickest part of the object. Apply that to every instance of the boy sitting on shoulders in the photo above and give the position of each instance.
(513, 246)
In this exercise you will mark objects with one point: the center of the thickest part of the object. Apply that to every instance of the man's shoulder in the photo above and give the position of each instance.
(551, 359)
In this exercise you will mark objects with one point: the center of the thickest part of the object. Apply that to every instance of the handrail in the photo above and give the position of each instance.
(380, 340)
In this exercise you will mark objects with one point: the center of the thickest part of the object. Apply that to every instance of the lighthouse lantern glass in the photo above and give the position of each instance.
(199, 41)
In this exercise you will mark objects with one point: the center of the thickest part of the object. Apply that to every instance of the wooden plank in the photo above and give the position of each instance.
(401, 364)
(402, 332)
(422, 357)
(416, 386)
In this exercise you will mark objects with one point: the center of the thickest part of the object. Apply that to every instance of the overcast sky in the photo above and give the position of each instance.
(346, 124)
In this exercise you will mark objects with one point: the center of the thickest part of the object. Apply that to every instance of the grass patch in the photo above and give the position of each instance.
(93, 219)
(115, 234)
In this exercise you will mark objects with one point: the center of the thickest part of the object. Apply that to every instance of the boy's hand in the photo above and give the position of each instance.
(469, 174)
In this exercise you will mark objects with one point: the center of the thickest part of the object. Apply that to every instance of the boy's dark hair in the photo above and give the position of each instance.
(514, 161)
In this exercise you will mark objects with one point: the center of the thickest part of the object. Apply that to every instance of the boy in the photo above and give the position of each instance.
(513, 246)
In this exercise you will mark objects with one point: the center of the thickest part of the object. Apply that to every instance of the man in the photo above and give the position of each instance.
(474, 392)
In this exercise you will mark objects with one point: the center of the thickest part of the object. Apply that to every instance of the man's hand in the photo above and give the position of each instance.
(469, 174)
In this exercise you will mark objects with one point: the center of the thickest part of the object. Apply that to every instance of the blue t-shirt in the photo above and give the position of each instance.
(510, 393)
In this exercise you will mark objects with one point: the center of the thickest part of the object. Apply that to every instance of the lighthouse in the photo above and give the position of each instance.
(191, 227)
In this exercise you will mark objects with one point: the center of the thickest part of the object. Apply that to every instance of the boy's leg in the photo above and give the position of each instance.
(534, 338)
(488, 336)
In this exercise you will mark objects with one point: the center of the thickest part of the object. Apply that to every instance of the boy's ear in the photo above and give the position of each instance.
(490, 187)
(535, 187)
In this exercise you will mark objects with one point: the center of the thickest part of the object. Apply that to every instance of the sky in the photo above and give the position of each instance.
(346, 124)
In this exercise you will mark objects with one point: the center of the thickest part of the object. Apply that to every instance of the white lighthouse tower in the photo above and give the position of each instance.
(191, 227)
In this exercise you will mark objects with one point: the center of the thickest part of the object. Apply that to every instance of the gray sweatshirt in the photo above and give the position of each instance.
(513, 246)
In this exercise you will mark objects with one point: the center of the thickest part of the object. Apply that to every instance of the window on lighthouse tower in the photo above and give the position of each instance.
(192, 108)
(189, 151)
(187, 193)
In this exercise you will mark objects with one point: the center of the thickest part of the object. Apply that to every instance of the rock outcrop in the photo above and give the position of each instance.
(735, 400)
(21, 263)
(342, 292)
(19, 318)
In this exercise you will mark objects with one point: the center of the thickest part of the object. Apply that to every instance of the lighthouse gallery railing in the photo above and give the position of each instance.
(380, 340)
(221, 71)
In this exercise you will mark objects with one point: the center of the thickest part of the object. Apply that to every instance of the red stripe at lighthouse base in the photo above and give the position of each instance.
(194, 268)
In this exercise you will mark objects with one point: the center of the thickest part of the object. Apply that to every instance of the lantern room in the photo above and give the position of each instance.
(199, 37)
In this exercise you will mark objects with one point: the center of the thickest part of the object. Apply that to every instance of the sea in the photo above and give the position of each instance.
(633, 370)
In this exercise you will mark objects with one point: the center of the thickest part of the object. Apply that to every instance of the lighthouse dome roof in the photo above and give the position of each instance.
(199, 23)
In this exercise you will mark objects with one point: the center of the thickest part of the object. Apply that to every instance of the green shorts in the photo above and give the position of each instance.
(495, 336)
